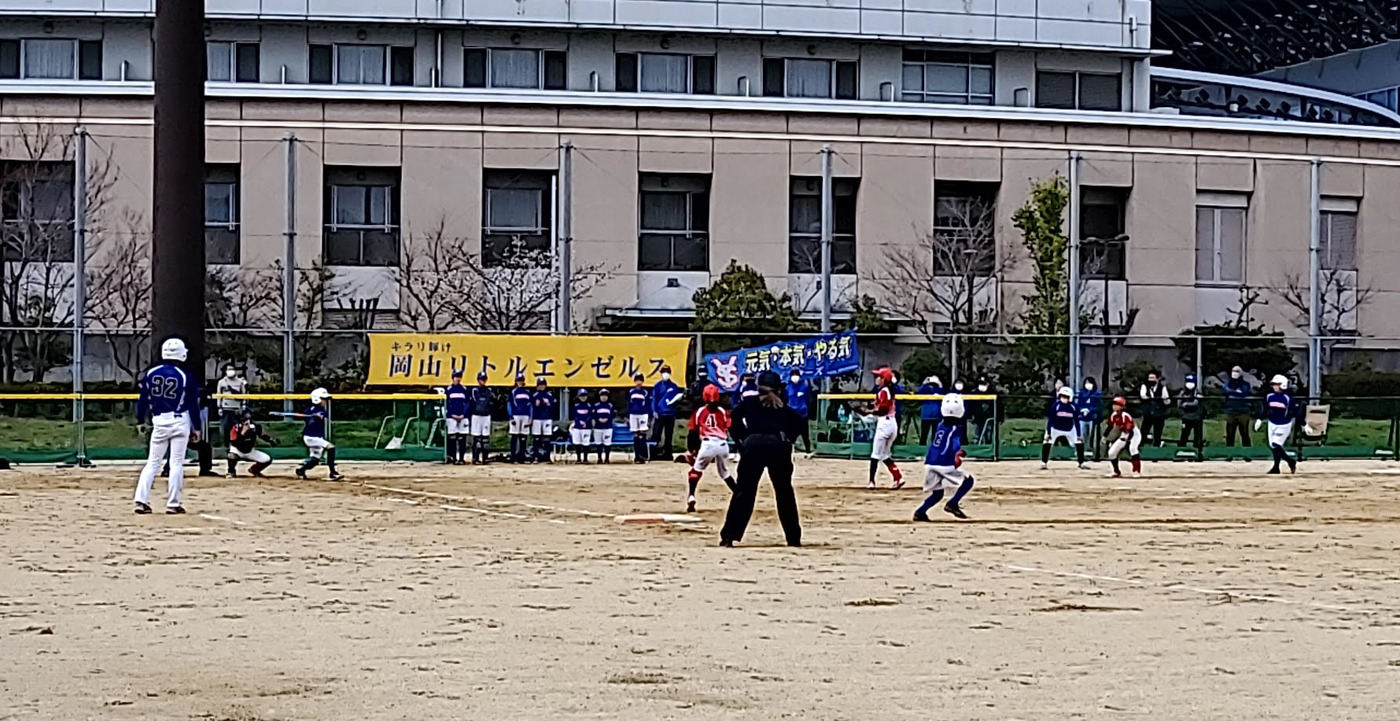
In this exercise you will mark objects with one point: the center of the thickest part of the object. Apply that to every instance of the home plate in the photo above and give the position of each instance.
(657, 518)
(1386, 472)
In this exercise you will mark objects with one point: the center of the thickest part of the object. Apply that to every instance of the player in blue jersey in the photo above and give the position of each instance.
(639, 417)
(455, 409)
(603, 415)
(520, 402)
(169, 399)
(581, 429)
(313, 434)
(480, 404)
(1062, 423)
(943, 463)
(542, 417)
(1280, 410)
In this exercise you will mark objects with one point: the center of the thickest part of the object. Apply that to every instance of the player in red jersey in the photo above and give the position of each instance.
(886, 428)
(710, 436)
(1122, 434)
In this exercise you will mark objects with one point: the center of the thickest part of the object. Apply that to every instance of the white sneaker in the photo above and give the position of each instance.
(1137, 474)
(690, 505)
(1045, 466)
(1084, 466)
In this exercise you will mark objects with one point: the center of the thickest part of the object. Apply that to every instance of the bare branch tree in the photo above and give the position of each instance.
(36, 216)
(445, 286)
(119, 290)
(1341, 297)
(943, 283)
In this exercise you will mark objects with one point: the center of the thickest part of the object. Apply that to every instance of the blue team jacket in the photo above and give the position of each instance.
(480, 401)
(583, 415)
(797, 397)
(664, 397)
(1090, 404)
(315, 422)
(1061, 416)
(947, 441)
(638, 402)
(456, 405)
(520, 401)
(1280, 409)
(603, 414)
(543, 408)
(931, 410)
(167, 388)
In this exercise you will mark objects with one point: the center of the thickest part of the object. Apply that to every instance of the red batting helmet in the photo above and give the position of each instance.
(710, 394)
(885, 373)
(1120, 401)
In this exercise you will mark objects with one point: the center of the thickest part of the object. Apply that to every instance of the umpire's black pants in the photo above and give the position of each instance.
(759, 454)
(663, 435)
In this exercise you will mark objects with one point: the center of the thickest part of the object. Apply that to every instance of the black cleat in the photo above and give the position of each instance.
(956, 510)
(174, 510)
(922, 517)
(208, 474)
(794, 544)
(301, 473)
(726, 543)
(142, 509)
(336, 476)
(1273, 471)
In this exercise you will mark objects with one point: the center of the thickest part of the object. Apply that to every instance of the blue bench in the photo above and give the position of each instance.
(622, 438)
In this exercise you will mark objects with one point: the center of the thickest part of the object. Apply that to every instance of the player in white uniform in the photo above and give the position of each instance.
(886, 428)
(169, 398)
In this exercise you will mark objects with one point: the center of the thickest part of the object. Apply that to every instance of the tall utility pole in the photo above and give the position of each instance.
(177, 250)
(1076, 371)
(80, 200)
(289, 275)
(828, 219)
(566, 236)
(1315, 284)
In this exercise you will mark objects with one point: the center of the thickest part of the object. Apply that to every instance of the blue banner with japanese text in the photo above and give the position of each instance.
(818, 357)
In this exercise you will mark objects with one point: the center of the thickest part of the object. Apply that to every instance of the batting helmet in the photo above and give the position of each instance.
(174, 349)
(952, 406)
(710, 394)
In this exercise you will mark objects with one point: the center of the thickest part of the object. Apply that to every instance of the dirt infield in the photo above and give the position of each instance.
(1204, 591)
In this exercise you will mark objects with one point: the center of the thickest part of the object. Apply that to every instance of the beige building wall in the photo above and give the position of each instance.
(442, 150)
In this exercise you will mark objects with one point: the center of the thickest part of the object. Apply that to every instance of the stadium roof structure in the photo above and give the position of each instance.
(1245, 37)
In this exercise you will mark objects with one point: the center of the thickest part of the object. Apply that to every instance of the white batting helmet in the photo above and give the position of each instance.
(320, 395)
(174, 349)
(952, 406)
(1280, 381)
(1065, 392)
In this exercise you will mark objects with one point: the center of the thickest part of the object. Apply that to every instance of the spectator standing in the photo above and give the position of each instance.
(1238, 401)
(930, 411)
(1155, 401)
(1090, 405)
(1193, 412)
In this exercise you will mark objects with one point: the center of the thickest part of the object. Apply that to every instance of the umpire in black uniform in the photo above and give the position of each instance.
(765, 427)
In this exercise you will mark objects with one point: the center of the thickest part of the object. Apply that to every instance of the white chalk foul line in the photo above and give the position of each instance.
(1183, 587)
(485, 501)
(212, 517)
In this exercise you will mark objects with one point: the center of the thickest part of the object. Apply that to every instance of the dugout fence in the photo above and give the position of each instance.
(39, 428)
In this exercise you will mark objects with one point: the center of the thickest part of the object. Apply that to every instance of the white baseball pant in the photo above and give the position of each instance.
(1132, 442)
(936, 477)
(712, 452)
(639, 423)
(481, 425)
(1071, 436)
(316, 446)
(170, 433)
(886, 430)
(602, 436)
(520, 425)
(1279, 433)
(542, 429)
(456, 426)
(253, 456)
(581, 436)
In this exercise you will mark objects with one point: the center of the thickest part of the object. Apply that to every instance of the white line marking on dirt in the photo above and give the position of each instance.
(1183, 587)
(488, 501)
(213, 517)
(482, 511)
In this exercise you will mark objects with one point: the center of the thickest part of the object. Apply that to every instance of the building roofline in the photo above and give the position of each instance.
(1274, 86)
(715, 103)
(1119, 50)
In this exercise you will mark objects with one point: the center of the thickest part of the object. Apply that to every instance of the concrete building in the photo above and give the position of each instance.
(696, 129)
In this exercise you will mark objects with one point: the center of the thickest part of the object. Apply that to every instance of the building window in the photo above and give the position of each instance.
(935, 76)
(1102, 222)
(1339, 234)
(221, 206)
(663, 73)
(229, 62)
(36, 211)
(361, 216)
(675, 223)
(516, 218)
(1220, 233)
(1388, 98)
(964, 241)
(51, 59)
(809, 78)
(349, 64)
(805, 226)
(1078, 91)
(515, 68)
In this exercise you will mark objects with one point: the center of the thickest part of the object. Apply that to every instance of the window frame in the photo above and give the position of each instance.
(1078, 76)
(845, 200)
(775, 84)
(57, 247)
(970, 192)
(1115, 254)
(392, 54)
(12, 53)
(216, 232)
(538, 239)
(628, 73)
(544, 57)
(371, 177)
(939, 58)
(1325, 233)
(1218, 204)
(235, 65)
(694, 198)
